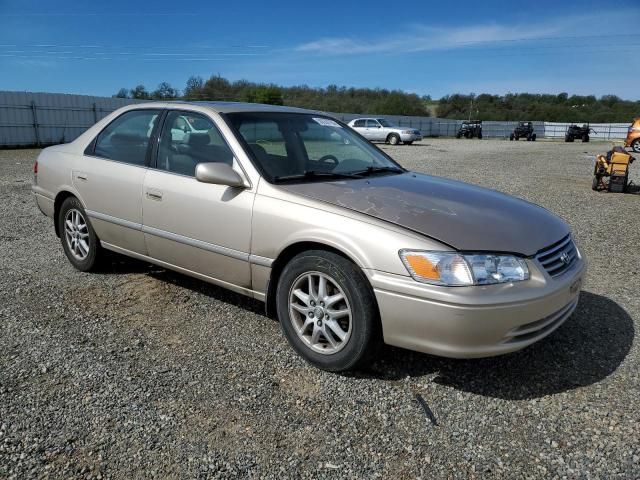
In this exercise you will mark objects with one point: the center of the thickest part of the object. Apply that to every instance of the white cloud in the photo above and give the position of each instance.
(419, 38)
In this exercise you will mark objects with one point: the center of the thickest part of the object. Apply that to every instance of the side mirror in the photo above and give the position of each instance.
(218, 173)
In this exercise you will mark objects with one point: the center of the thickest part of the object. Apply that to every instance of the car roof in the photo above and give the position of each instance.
(231, 107)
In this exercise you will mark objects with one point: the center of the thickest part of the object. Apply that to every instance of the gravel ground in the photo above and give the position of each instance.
(140, 373)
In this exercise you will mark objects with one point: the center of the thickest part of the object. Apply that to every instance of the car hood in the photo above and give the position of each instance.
(464, 216)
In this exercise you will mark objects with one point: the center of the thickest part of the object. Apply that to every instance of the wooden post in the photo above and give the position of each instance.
(35, 122)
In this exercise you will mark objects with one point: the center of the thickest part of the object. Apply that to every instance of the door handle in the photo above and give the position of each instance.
(154, 195)
(82, 176)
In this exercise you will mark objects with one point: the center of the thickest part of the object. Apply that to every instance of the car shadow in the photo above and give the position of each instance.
(633, 189)
(120, 265)
(587, 348)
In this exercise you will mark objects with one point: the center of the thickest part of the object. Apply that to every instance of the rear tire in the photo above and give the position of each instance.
(308, 319)
(585, 139)
(511, 137)
(533, 137)
(635, 145)
(568, 138)
(393, 139)
(79, 241)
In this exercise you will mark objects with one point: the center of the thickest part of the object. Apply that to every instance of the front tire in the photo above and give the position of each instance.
(327, 311)
(393, 139)
(79, 241)
(635, 145)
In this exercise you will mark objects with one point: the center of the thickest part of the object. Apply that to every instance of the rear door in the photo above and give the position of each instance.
(359, 126)
(202, 227)
(110, 175)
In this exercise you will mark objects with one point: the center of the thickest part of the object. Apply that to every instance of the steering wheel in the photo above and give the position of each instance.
(329, 159)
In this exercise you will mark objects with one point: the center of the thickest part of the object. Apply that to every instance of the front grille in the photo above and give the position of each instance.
(559, 257)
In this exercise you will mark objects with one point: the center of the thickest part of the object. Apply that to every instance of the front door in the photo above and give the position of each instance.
(374, 130)
(201, 227)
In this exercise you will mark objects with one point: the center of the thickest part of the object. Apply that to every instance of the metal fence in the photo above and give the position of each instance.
(601, 131)
(37, 119)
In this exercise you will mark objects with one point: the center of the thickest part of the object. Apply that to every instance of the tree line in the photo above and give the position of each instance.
(512, 106)
(329, 99)
(550, 108)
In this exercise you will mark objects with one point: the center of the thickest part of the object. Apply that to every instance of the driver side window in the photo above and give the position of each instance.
(187, 139)
(372, 124)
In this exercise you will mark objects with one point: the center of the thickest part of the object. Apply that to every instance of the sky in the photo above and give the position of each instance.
(428, 48)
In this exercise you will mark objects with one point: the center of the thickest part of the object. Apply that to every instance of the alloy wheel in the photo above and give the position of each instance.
(320, 313)
(76, 232)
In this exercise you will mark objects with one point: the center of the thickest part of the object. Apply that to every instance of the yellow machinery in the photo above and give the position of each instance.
(611, 171)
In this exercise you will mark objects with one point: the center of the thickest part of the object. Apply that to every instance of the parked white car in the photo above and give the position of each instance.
(186, 125)
(380, 130)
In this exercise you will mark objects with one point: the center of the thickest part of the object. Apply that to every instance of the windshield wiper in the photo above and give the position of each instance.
(372, 170)
(310, 174)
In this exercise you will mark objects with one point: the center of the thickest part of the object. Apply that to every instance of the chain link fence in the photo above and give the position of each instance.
(38, 119)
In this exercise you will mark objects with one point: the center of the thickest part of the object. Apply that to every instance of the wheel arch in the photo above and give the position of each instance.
(392, 134)
(61, 196)
(285, 256)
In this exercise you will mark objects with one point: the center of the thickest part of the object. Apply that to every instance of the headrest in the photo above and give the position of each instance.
(198, 139)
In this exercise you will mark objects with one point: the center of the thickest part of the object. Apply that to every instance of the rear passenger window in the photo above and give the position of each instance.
(126, 139)
(188, 139)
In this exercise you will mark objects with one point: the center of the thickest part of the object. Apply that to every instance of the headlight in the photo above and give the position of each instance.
(458, 269)
(409, 132)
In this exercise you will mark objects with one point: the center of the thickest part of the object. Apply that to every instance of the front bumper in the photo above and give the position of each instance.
(480, 321)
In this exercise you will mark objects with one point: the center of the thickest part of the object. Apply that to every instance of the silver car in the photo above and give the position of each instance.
(296, 209)
(380, 130)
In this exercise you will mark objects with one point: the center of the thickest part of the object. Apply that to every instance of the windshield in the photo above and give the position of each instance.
(306, 147)
(384, 123)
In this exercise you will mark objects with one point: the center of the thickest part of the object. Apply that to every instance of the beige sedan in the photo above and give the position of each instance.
(296, 209)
